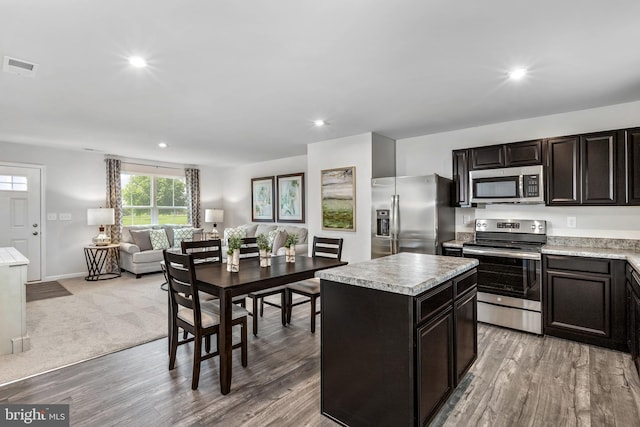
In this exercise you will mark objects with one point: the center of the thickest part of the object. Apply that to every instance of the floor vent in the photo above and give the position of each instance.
(18, 66)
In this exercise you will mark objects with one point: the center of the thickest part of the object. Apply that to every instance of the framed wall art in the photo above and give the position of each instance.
(338, 190)
(262, 197)
(290, 197)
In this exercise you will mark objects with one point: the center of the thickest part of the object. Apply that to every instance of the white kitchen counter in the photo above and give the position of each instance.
(13, 301)
(630, 255)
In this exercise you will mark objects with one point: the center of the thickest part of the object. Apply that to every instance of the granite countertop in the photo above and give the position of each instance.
(630, 255)
(404, 273)
(454, 243)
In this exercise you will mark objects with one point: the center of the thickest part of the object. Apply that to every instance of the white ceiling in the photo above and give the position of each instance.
(235, 81)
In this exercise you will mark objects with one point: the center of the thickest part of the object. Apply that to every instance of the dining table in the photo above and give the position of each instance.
(214, 279)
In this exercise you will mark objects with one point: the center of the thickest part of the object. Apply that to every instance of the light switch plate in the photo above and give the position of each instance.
(52, 216)
(571, 221)
(65, 217)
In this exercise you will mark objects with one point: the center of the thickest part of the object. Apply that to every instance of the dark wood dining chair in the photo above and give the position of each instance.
(323, 247)
(195, 316)
(203, 251)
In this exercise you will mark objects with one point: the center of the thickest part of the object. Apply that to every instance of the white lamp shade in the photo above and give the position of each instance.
(101, 216)
(213, 215)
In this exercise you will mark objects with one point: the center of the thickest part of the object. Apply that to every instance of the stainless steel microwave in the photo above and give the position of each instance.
(507, 185)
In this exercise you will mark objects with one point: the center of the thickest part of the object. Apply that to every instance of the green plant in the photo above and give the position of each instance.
(292, 240)
(234, 243)
(263, 242)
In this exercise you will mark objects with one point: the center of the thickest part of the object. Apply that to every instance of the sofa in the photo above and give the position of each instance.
(137, 253)
(277, 233)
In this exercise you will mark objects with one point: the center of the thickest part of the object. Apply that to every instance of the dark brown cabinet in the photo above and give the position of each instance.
(633, 315)
(563, 183)
(460, 178)
(525, 153)
(489, 157)
(584, 300)
(448, 251)
(599, 168)
(393, 359)
(632, 157)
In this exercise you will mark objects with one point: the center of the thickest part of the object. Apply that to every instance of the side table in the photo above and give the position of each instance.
(96, 257)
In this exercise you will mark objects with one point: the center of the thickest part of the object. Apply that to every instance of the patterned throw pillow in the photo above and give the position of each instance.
(271, 236)
(234, 232)
(159, 239)
(182, 235)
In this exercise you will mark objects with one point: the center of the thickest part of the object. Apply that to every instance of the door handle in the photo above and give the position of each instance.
(35, 233)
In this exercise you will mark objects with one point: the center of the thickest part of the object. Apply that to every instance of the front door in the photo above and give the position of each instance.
(20, 214)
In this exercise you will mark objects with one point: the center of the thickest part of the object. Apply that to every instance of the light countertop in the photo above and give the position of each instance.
(630, 255)
(11, 257)
(404, 273)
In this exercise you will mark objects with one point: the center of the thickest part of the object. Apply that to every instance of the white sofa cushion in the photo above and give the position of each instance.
(182, 235)
(159, 239)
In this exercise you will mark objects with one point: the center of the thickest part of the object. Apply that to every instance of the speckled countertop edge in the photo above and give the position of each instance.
(405, 273)
(633, 257)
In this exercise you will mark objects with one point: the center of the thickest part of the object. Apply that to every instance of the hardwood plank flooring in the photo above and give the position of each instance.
(518, 380)
(45, 290)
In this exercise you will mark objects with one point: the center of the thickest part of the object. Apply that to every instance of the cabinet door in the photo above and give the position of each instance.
(460, 178)
(563, 183)
(466, 333)
(632, 142)
(435, 365)
(524, 153)
(577, 304)
(598, 160)
(488, 157)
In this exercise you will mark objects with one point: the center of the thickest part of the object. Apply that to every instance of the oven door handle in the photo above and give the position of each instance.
(505, 254)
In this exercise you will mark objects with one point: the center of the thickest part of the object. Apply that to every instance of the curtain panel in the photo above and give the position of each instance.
(114, 200)
(192, 178)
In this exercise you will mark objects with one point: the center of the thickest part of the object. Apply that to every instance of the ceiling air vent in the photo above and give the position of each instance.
(18, 66)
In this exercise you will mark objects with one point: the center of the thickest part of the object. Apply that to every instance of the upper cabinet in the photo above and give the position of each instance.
(632, 157)
(525, 153)
(563, 185)
(585, 170)
(460, 176)
(488, 157)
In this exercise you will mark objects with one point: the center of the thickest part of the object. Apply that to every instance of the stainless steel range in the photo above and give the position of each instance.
(509, 273)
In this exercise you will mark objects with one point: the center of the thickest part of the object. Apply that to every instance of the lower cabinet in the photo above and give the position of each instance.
(633, 315)
(392, 359)
(584, 300)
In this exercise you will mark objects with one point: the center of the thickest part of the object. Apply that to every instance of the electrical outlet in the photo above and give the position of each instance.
(571, 221)
(52, 216)
(65, 217)
(466, 219)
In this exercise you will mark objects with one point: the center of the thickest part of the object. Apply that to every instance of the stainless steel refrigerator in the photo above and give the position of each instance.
(411, 214)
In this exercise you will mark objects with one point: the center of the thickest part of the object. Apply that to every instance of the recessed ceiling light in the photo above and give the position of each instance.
(517, 73)
(137, 62)
(162, 145)
(319, 123)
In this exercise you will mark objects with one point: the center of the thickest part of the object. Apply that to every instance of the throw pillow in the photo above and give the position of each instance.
(182, 235)
(159, 239)
(234, 232)
(278, 241)
(141, 239)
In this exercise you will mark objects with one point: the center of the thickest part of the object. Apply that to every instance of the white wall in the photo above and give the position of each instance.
(432, 154)
(236, 191)
(73, 182)
(343, 152)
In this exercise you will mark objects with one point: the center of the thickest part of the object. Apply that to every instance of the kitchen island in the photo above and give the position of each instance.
(398, 335)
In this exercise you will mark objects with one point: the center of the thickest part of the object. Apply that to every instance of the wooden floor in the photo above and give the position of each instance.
(518, 380)
(45, 290)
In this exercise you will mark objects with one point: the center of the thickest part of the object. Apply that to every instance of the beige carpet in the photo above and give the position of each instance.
(99, 318)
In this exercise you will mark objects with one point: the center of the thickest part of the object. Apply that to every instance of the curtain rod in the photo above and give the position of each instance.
(109, 156)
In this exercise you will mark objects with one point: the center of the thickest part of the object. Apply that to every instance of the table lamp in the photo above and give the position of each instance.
(215, 216)
(101, 217)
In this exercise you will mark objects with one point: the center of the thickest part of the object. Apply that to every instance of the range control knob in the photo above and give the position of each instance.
(533, 227)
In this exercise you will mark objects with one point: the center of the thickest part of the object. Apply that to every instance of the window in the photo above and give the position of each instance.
(13, 183)
(149, 199)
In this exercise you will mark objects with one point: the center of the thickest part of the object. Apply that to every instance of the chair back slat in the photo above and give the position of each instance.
(326, 247)
(203, 251)
(183, 287)
(249, 247)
